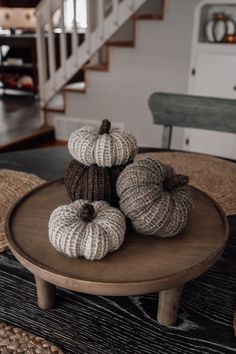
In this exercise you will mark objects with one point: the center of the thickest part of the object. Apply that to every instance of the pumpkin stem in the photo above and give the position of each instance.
(87, 212)
(175, 181)
(105, 127)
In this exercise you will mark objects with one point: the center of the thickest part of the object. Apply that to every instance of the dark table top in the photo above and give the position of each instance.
(47, 163)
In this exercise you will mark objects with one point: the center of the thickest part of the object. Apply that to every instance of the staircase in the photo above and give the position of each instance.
(61, 53)
(150, 52)
(55, 104)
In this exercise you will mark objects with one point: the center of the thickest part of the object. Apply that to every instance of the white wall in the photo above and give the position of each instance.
(160, 62)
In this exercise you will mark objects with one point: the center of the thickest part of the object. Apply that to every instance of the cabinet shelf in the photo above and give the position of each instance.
(7, 87)
(23, 67)
(21, 46)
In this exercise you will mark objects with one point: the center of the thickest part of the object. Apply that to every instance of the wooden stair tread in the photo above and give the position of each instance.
(76, 87)
(121, 43)
(98, 67)
(148, 17)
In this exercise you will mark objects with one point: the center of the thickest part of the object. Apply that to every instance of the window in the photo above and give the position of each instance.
(81, 14)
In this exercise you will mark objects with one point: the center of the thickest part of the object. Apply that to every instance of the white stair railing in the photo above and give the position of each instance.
(62, 52)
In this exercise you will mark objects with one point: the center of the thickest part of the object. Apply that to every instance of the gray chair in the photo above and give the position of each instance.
(188, 111)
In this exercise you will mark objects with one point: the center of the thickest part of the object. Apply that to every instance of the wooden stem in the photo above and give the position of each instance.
(46, 293)
(168, 306)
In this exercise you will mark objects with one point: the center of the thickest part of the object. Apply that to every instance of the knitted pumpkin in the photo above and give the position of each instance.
(102, 147)
(156, 200)
(92, 182)
(89, 230)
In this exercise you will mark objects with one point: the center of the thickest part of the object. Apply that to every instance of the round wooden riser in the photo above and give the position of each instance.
(142, 265)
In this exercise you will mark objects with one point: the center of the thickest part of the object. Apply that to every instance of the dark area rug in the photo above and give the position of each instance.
(86, 324)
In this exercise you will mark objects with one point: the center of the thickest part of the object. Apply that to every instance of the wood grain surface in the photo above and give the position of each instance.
(143, 264)
(179, 110)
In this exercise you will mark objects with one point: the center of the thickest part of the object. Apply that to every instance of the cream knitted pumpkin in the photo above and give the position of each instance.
(102, 147)
(157, 201)
(89, 230)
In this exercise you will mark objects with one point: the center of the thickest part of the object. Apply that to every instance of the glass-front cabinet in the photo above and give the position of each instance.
(213, 70)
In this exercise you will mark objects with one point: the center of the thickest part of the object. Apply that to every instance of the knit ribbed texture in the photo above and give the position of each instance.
(92, 182)
(93, 239)
(153, 208)
(91, 146)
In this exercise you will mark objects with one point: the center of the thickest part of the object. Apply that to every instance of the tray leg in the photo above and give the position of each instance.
(168, 305)
(46, 293)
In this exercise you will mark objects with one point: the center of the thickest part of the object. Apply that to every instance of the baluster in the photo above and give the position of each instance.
(51, 49)
(132, 5)
(101, 19)
(115, 5)
(75, 34)
(41, 55)
(63, 40)
(88, 30)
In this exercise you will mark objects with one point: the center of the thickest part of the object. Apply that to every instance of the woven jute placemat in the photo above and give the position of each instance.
(15, 340)
(214, 176)
(13, 185)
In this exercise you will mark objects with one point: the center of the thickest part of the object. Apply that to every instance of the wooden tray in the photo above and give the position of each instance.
(143, 264)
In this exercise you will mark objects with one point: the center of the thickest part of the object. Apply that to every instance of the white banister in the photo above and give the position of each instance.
(63, 40)
(109, 15)
(75, 34)
(132, 5)
(101, 19)
(51, 53)
(41, 50)
(115, 4)
(89, 26)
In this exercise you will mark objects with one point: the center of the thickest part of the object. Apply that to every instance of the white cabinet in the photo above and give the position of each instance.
(215, 75)
(212, 73)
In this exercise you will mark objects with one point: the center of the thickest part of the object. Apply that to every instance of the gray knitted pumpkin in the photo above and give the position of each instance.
(84, 229)
(157, 201)
(102, 147)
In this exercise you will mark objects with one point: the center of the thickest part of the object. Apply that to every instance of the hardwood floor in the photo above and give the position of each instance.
(20, 123)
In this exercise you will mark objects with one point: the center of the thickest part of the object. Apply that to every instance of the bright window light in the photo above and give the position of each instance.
(81, 14)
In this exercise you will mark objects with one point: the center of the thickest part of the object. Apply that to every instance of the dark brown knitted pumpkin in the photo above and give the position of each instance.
(92, 182)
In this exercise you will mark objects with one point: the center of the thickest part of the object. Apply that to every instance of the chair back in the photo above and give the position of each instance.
(188, 111)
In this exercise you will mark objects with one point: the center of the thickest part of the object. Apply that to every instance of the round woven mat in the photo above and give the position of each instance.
(212, 175)
(15, 340)
(13, 185)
